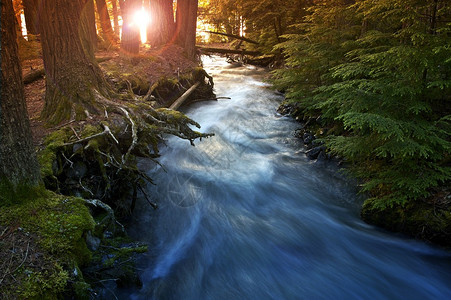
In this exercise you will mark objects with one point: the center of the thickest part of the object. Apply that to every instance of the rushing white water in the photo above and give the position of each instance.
(245, 215)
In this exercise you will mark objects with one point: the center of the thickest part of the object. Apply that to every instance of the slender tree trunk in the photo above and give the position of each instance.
(18, 164)
(30, 8)
(72, 74)
(89, 37)
(115, 18)
(130, 39)
(186, 25)
(181, 21)
(18, 27)
(105, 22)
(190, 42)
(161, 28)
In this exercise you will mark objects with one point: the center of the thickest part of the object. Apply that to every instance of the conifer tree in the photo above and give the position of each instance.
(381, 71)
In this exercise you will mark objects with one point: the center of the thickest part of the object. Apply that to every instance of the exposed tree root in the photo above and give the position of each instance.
(97, 158)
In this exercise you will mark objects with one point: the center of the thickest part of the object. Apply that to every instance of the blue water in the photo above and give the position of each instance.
(245, 215)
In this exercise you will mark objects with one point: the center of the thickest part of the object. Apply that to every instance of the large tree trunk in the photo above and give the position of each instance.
(72, 74)
(30, 8)
(18, 163)
(161, 28)
(186, 25)
(130, 39)
(105, 22)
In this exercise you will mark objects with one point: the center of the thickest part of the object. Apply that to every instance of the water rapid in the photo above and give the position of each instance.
(245, 215)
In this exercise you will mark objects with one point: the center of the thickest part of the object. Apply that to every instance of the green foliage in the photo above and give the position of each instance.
(265, 21)
(381, 70)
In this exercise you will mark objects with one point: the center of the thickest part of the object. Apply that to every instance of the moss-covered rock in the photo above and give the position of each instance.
(47, 232)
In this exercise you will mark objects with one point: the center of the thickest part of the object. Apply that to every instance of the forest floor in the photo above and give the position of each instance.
(165, 62)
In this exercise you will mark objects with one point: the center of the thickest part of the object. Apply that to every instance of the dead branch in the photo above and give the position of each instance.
(104, 132)
(62, 125)
(130, 90)
(183, 97)
(228, 51)
(107, 208)
(154, 205)
(73, 130)
(148, 95)
(134, 135)
(234, 36)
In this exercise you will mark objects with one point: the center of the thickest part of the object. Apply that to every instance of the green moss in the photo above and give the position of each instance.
(47, 157)
(80, 114)
(44, 285)
(90, 130)
(11, 195)
(81, 290)
(59, 223)
(173, 116)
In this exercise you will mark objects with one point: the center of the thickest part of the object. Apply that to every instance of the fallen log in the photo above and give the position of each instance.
(183, 97)
(33, 76)
(233, 36)
(40, 73)
(228, 51)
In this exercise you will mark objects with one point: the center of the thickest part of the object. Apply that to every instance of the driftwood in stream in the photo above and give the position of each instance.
(183, 97)
(228, 51)
(234, 36)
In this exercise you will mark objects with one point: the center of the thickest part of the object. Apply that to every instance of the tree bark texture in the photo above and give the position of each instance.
(105, 22)
(18, 162)
(186, 25)
(130, 39)
(72, 74)
(89, 37)
(161, 28)
(30, 8)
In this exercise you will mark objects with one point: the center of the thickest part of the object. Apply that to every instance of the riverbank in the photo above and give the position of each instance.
(57, 244)
(245, 215)
(425, 218)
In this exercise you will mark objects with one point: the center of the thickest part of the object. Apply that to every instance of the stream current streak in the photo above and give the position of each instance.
(244, 215)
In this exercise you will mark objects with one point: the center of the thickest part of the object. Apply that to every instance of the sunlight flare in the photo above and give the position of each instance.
(141, 18)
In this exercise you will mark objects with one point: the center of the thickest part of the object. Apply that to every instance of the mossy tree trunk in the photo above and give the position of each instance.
(18, 163)
(161, 28)
(72, 74)
(130, 38)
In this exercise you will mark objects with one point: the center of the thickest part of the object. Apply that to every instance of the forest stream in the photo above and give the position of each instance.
(245, 215)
